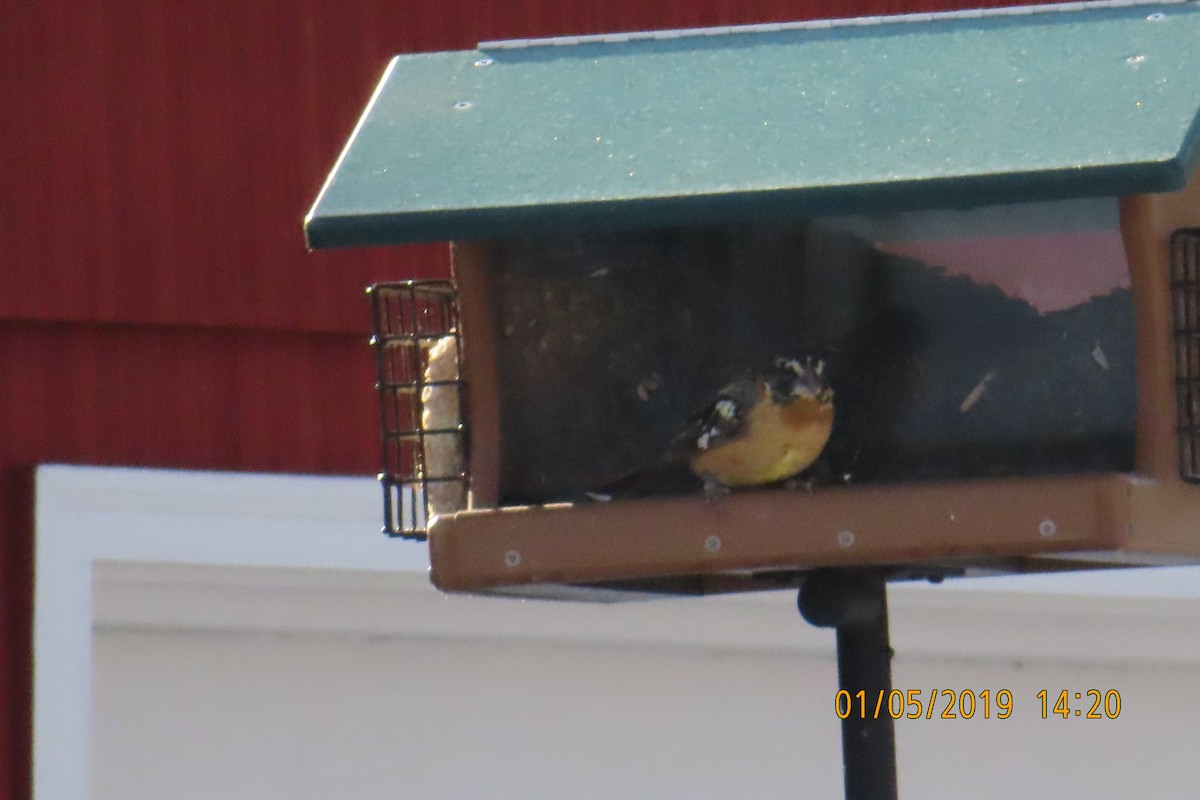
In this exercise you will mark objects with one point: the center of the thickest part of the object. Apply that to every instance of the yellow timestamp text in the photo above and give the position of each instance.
(967, 704)
(924, 704)
(1091, 704)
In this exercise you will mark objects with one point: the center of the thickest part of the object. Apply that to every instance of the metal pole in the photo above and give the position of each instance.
(855, 603)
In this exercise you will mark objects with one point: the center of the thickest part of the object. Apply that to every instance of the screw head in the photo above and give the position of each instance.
(1047, 528)
(713, 543)
(512, 558)
(845, 539)
(463, 105)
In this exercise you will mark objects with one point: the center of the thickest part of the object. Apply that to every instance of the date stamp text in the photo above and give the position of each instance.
(968, 704)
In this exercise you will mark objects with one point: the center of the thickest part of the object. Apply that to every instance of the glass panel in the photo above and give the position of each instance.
(981, 343)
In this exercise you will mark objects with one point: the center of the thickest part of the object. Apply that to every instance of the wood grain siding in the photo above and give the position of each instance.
(197, 398)
(16, 609)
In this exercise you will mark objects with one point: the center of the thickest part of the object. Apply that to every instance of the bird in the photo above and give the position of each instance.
(760, 429)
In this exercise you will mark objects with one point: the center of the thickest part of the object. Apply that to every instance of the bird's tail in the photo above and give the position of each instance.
(668, 478)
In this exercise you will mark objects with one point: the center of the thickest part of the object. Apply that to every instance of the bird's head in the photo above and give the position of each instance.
(795, 379)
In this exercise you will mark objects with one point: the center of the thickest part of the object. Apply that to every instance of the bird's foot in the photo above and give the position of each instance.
(714, 491)
(795, 484)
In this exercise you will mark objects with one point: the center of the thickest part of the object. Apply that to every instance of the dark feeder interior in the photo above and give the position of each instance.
(990, 343)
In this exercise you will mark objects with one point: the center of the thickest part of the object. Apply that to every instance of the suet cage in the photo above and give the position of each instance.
(1000, 271)
(420, 396)
(1185, 313)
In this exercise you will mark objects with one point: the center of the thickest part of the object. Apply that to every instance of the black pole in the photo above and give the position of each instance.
(855, 603)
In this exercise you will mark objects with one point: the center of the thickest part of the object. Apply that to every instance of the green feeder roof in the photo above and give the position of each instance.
(577, 134)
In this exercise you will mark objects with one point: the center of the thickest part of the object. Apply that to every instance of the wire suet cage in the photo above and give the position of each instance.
(1185, 296)
(417, 357)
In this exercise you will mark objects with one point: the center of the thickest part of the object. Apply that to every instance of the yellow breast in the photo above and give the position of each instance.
(780, 440)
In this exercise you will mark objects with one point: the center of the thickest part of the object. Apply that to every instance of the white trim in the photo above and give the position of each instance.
(948, 622)
(127, 516)
(147, 549)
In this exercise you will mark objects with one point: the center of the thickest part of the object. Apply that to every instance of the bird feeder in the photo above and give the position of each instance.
(985, 224)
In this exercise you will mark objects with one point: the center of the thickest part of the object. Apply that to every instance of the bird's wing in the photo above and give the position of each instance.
(722, 421)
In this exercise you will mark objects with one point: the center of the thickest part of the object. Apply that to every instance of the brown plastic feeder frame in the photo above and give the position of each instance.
(769, 539)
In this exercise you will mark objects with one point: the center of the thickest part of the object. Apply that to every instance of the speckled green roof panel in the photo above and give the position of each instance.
(638, 130)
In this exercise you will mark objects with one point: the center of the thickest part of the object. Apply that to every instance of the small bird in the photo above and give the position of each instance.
(760, 429)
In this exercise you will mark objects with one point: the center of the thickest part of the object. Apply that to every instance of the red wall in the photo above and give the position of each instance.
(157, 306)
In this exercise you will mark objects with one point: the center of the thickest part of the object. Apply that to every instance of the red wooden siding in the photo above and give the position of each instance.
(207, 398)
(156, 303)
(16, 609)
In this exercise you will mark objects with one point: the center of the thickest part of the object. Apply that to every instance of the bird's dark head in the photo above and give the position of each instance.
(799, 379)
